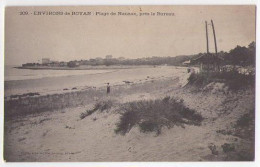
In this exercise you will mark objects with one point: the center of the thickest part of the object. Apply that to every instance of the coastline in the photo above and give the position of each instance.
(84, 67)
(54, 85)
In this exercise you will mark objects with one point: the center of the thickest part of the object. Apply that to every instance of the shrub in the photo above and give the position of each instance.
(198, 79)
(152, 115)
(244, 120)
(245, 125)
(101, 105)
(127, 121)
(228, 147)
(86, 113)
(149, 126)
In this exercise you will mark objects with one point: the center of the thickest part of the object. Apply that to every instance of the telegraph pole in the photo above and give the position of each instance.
(215, 41)
(207, 38)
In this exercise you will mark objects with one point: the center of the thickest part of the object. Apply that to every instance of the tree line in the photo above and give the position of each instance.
(240, 55)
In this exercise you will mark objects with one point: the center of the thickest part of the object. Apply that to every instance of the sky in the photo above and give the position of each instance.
(29, 38)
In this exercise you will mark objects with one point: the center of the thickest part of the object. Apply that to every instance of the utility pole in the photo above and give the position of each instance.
(207, 38)
(215, 41)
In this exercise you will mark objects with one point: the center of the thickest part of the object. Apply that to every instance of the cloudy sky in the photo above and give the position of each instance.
(29, 38)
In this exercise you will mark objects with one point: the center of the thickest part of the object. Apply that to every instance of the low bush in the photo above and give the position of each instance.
(101, 106)
(245, 126)
(152, 115)
(244, 120)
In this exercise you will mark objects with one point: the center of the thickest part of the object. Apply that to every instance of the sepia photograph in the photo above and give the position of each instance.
(162, 83)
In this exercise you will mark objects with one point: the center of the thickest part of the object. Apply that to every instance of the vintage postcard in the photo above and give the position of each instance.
(129, 83)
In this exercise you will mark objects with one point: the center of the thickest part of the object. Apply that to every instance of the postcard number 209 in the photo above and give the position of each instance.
(23, 13)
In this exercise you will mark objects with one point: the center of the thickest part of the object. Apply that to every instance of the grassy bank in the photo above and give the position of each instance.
(233, 79)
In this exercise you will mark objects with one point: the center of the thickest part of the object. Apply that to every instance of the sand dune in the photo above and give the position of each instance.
(62, 136)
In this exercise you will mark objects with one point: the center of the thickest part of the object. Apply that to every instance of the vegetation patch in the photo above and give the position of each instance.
(245, 126)
(152, 115)
(30, 94)
(233, 79)
(227, 147)
(99, 106)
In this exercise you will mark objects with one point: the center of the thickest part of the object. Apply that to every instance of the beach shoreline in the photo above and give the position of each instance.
(83, 67)
(56, 84)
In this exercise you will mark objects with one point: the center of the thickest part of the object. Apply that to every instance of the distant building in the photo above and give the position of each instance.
(54, 63)
(109, 56)
(208, 62)
(46, 61)
(186, 63)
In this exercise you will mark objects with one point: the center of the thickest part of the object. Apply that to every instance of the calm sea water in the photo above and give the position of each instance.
(12, 73)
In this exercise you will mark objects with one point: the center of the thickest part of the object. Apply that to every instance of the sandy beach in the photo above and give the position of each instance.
(60, 135)
(99, 78)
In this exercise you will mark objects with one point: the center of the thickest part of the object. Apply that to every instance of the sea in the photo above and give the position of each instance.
(13, 74)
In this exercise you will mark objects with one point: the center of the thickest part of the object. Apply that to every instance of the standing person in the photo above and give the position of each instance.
(108, 88)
